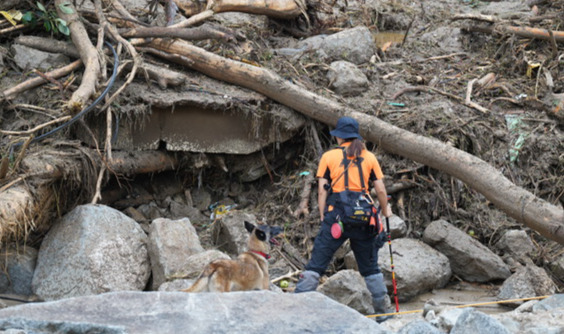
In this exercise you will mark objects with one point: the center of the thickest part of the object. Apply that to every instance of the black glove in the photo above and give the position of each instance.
(380, 240)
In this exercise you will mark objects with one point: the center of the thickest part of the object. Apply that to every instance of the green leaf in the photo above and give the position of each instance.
(65, 8)
(62, 26)
(47, 25)
(41, 7)
(64, 30)
(27, 18)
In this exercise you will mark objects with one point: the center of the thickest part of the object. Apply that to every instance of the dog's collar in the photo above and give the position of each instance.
(266, 256)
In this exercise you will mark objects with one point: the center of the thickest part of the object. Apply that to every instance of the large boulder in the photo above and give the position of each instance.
(178, 312)
(355, 45)
(171, 242)
(91, 250)
(418, 267)
(469, 259)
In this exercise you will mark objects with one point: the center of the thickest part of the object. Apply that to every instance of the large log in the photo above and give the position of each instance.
(515, 201)
(284, 9)
(26, 206)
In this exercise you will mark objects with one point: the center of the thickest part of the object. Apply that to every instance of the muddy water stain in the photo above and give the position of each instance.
(383, 37)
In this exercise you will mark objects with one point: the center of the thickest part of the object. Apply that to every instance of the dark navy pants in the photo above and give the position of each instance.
(364, 245)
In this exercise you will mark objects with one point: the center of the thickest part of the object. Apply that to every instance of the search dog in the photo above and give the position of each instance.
(249, 271)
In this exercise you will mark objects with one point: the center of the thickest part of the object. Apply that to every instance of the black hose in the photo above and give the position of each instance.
(21, 300)
(85, 110)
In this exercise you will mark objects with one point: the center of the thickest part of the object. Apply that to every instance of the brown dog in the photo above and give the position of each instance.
(248, 272)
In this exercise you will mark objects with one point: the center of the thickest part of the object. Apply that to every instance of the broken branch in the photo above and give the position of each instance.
(88, 54)
(32, 83)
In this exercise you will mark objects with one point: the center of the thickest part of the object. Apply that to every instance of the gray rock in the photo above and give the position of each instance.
(28, 58)
(229, 232)
(355, 45)
(346, 79)
(398, 227)
(515, 242)
(171, 242)
(350, 261)
(472, 321)
(18, 265)
(418, 327)
(550, 303)
(201, 198)
(179, 210)
(151, 210)
(528, 281)
(92, 249)
(469, 259)
(176, 285)
(348, 288)
(446, 319)
(446, 39)
(23, 326)
(557, 266)
(546, 317)
(418, 267)
(178, 312)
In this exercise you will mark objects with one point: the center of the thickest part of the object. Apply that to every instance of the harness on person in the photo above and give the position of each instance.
(357, 207)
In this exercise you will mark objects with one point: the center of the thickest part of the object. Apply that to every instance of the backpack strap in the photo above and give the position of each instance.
(357, 161)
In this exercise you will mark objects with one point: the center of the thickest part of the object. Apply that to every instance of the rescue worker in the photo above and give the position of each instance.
(364, 242)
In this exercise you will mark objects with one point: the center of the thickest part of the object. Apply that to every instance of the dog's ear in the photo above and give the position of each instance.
(249, 226)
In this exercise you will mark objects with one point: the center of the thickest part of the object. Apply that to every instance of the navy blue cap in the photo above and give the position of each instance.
(347, 128)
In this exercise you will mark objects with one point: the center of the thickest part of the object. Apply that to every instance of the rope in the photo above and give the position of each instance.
(460, 306)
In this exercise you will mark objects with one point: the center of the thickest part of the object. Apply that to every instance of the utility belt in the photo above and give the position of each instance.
(353, 211)
(353, 208)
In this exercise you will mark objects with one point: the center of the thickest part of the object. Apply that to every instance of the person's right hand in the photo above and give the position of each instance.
(387, 211)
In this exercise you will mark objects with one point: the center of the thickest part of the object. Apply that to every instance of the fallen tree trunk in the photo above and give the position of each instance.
(526, 32)
(284, 9)
(499, 26)
(29, 206)
(515, 201)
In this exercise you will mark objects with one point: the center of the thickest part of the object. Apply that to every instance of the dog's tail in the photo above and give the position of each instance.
(201, 284)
